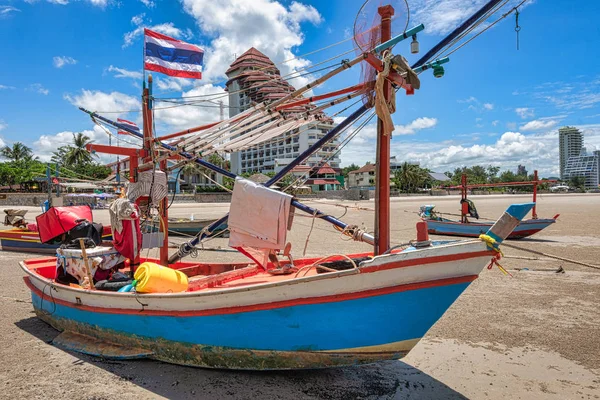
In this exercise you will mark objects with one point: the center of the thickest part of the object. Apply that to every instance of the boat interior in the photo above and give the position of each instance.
(214, 276)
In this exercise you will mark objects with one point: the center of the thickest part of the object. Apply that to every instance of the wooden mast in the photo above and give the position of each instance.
(535, 185)
(163, 212)
(382, 189)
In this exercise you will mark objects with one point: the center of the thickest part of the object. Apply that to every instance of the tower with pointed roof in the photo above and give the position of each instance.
(253, 78)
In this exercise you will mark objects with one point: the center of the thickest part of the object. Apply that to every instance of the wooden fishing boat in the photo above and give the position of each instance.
(285, 313)
(444, 226)
(466, 227)
(188, 226)
(242, 317)
(27, 241)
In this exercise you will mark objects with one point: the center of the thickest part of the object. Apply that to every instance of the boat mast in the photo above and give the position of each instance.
(382, 189)
(535, 185)
(150, 153)
(464, 207)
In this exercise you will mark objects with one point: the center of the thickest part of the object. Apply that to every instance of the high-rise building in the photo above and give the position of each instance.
(586, 166)
(253, 78)
(570, 142)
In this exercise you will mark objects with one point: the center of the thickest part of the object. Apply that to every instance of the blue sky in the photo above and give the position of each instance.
(495, 105)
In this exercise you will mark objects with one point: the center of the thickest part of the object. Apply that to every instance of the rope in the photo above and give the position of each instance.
(385, 107)
(493, 245)
(315, 264)
(314, 216)
(539, 253)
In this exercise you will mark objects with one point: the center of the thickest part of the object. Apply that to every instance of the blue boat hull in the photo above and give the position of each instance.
(474, 229)
(302, 336)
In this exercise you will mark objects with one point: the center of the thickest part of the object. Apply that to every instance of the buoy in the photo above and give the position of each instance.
(154, 278)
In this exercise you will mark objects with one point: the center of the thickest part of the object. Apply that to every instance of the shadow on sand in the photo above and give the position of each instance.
(388, 380)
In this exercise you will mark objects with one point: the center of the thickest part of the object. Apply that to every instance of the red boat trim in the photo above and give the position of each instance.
(258, 307)
(427, 260)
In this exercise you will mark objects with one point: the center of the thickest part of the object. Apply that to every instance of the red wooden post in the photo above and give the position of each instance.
(535, 183)
(464, 207)
(382, 190)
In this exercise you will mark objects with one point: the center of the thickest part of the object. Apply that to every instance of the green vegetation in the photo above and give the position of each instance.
(74, 159)
(577, 182)
(409, 178)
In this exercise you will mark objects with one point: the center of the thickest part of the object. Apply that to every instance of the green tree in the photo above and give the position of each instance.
(77, 154)
(348, 169)
(18, 152)
(409, 177)
(577, 182)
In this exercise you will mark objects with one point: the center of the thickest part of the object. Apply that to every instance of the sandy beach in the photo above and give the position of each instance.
(535, 335)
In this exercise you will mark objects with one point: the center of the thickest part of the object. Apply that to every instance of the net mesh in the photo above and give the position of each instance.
(367, 35)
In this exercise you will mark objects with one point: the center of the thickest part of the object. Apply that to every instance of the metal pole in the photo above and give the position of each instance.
(535, 183)
(463, 192)
(49, 176)
(58, 184)
(382, 177)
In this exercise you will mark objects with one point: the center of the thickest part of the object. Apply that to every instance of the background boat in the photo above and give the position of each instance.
(438, 225)
(27, 241)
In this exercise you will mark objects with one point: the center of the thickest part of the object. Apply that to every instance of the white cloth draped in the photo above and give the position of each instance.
(259, 219)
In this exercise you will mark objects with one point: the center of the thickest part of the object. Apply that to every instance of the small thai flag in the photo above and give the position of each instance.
(172, 57)
(127, 124)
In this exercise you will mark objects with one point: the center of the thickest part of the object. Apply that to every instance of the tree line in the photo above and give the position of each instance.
(22, 167)
(409, 178)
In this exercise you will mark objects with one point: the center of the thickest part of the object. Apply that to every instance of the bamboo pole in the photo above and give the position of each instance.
(86, 263)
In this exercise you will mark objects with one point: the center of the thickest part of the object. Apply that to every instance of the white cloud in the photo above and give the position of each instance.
(138, 19)
(38, 88)
(539, 124)
(168, 84)
(193, 115)
(124, 73)
(6, 11)
(167, 28)
(99, 3)
(524, 112)
(536, 151)
(495, 122)
(61, 61)
(476, 105)
(148, 3)
(442, 16)
(416, 125)
(3, 125)
(237, 25)
(4, 87)
(101, 101)
(46, 144)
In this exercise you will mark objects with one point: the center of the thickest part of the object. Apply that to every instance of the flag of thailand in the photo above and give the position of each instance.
(172, 57)
(127, 124)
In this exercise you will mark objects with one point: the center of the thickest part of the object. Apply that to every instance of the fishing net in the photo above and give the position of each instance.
(367, 35)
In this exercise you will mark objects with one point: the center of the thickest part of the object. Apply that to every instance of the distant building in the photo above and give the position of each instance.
(322, 178)
(570, 142)
(586, 166)
(363, 177)
(253, 78)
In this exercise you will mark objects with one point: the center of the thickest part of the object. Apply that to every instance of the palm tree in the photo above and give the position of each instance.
(18, 152)
(77, 153)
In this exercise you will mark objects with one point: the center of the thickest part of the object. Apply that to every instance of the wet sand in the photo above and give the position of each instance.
(533, 336)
